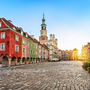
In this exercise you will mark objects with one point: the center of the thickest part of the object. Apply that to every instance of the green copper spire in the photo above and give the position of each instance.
(43, 25)
(43, 15)
(43, 20)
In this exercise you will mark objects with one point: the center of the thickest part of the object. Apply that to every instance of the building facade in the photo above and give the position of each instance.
(66, 55)
(16, 46)
(75, 54)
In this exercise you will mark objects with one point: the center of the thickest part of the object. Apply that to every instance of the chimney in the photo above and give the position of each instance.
(32, 36)
(10, 21)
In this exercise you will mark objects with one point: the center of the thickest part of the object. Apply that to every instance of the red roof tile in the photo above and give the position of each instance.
(9, 24)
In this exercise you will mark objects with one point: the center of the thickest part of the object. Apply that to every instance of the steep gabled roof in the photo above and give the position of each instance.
(59, 50)
(9, 24)
(36, 40)
(75, 49)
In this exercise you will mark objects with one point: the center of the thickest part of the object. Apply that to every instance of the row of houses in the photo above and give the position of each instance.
(68, 55)
(85, 51)
(18, 47)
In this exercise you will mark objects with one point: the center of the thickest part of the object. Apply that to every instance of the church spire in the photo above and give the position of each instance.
(43, 20)
(43, 15)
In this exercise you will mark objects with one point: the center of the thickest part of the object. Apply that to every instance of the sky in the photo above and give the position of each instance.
(69, 20)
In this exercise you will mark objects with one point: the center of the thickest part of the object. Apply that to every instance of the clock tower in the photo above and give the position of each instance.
(43, 31)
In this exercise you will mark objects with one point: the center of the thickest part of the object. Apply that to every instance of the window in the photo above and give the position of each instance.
(23, 50)
(16, 38)
(22, 32)
(0, 24)
(23, 41)
(16, 48)
(36, 47)
(26, 35)
(2, 35)
(41, 32)
(28, 43)
(2, 46)
(31, 51)
(14, 28)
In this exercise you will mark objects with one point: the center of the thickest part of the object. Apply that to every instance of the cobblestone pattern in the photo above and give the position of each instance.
(63, 75)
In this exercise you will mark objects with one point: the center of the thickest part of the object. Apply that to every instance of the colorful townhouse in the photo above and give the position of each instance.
(17, 47)
(40, 51)
(32, 47)
(43, 54)
(70, 55)
(60, 54)
(85, 52)
(66, 55)
(28, 50)
(63, 55)
(75, 54)
(46, 53)
(24, 44)
(37, 48)
(10, 43)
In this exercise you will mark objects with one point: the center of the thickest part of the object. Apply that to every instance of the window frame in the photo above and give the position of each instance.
(16, 38)
(23, 41)
(31, 51)
(23, 50)
(15, 48)
(1, 47)
(4, 35)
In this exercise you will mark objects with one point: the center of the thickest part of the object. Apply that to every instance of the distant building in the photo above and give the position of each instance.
(85, 52)
(75, 54)
(60, 54)
(66, 55)
(70, 54)
(63, 55)
(51, 43)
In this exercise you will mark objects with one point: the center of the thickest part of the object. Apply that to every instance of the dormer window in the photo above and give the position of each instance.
(0, 24)
(22, 32)
(26, 35)
(14, 28)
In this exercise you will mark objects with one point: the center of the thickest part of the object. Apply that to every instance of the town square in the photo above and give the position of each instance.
(44, 45)
(64, 75)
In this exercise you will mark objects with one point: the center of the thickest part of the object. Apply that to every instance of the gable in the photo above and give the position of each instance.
(2, 24)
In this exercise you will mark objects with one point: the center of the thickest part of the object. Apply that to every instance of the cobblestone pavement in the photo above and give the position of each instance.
(63, 75)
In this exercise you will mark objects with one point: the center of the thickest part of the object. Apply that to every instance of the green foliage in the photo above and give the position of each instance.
(88, 68)
(86, 64)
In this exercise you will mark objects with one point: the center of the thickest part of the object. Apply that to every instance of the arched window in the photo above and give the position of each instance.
(42, 27)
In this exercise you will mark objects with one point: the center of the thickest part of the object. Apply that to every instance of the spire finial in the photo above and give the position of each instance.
(43, 14)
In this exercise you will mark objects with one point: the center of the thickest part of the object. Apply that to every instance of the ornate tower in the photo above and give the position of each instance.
(43, 31)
